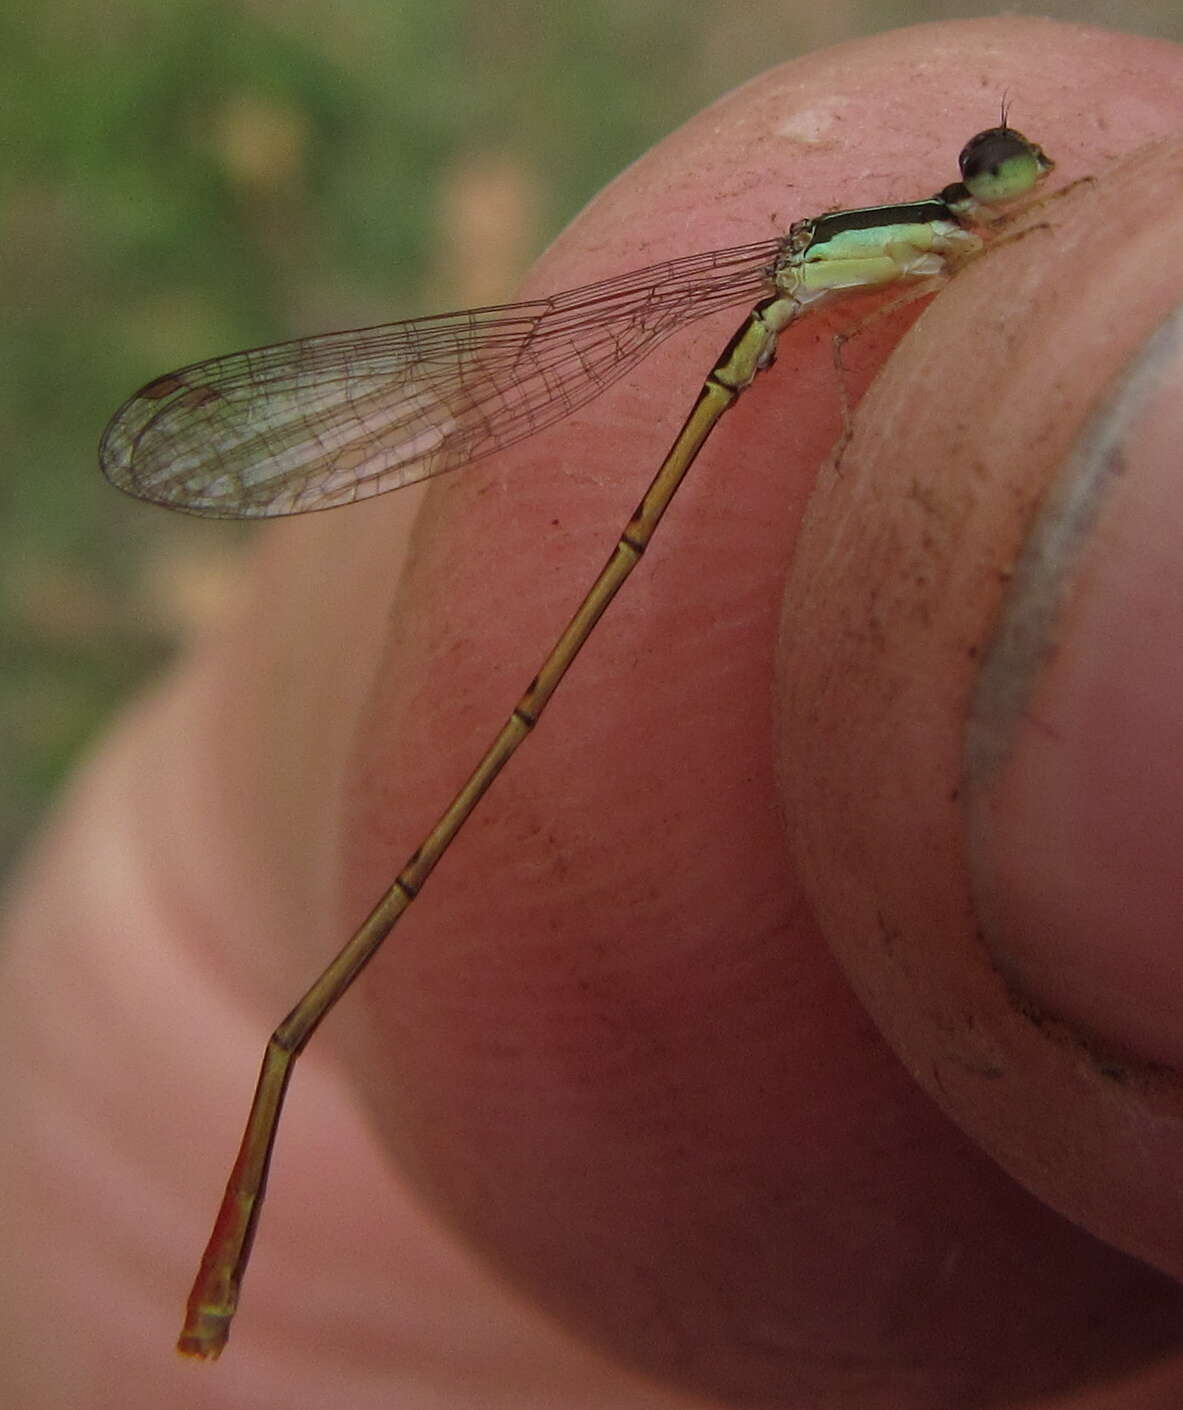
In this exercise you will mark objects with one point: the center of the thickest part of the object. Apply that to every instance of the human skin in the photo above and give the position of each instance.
(609, 1052)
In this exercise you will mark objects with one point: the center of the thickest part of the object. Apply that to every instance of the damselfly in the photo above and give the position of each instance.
(331, 420)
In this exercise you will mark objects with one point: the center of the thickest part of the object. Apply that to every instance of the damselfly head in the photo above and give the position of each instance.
(1000, 165)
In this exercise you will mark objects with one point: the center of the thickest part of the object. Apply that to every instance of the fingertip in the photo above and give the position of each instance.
(932, 880)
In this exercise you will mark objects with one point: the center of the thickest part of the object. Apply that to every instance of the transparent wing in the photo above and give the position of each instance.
(333, 419)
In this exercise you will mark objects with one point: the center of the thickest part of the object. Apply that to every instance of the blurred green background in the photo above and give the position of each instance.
(179, 179)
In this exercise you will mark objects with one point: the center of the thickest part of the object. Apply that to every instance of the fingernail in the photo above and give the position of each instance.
(1075, 747)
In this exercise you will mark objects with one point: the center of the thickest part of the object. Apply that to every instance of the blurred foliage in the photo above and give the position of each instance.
(187, 177)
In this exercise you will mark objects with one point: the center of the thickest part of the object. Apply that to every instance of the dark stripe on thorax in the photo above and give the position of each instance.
(825, 227)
